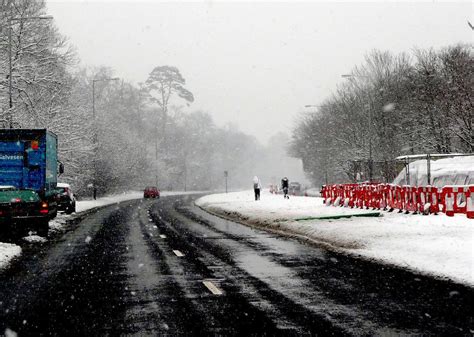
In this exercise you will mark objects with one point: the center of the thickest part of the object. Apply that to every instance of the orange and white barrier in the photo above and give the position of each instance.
(410, 199)
(470, 202)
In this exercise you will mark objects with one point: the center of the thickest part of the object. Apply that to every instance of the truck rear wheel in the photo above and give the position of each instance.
(71, 209)
(42, 227)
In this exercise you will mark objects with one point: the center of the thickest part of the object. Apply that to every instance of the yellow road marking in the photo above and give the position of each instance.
(212, 288)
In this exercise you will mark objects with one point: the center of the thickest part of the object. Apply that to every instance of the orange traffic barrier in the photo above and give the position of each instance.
(454, 199)
(470, 202)
(422, 199)
(448, 200)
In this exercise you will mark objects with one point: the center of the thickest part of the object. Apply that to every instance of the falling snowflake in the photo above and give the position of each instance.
(10, 333)
(389, 107)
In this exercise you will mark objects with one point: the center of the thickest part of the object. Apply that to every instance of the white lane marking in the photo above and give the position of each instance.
(178, 253)
(162, 236)
(212, 288)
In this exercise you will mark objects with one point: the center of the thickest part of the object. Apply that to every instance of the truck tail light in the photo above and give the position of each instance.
(35, 145)
(16, 200)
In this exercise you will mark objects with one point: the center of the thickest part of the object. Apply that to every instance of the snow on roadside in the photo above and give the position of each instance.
(107, 200)
(8, 252)
(32, 238)
(58, 223)
(434, 245)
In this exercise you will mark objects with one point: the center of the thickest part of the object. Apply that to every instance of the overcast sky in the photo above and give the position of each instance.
(254, 64)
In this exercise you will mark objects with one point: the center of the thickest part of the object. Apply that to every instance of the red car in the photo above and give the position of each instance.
(151, 192)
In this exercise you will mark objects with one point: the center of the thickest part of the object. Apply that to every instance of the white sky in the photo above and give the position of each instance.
(254, 64)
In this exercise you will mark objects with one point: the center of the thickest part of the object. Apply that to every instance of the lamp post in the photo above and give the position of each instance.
(226, 174)
(369, 105)
(95, 140)
(317, 107)
(10, 67)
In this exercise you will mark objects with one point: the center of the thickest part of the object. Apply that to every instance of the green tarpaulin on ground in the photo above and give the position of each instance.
(341, 216)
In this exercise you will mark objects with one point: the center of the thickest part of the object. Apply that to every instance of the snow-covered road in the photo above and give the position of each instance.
(433, 245)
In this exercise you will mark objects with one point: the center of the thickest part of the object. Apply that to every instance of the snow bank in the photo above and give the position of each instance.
(434, 245)
(32, 238)
(58, 224)
(8, 252)
(108, 200)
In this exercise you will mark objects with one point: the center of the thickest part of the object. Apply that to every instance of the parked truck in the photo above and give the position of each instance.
(28, 179)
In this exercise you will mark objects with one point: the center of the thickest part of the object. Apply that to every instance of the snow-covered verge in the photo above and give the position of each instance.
(8, 252)
(434, 245)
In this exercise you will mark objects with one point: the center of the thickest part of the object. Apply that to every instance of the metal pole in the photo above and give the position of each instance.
(95, 141)
(96, 133)
(428, 167)
(226, 174)
(185, 176)
(370, 142)
(407, 166)
(351, 76)
(10, 112)
(93, 100)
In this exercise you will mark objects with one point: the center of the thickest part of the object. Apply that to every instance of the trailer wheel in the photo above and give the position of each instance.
(71, 209)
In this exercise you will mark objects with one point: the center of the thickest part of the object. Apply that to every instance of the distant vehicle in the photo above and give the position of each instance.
(295, 187)
(28, 163)
(67, 200)
(151, 192)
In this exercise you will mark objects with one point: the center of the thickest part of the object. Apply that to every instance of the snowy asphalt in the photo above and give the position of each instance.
(164, 267)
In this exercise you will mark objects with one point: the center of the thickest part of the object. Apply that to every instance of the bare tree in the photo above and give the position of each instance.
(423, 105)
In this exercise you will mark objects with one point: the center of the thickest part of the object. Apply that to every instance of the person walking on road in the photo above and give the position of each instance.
(284, 186)
(256, 187)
